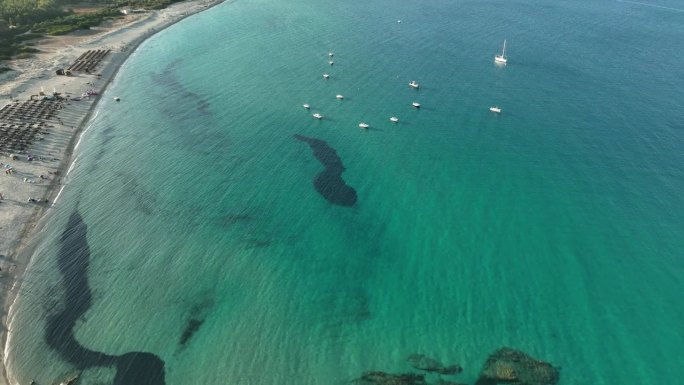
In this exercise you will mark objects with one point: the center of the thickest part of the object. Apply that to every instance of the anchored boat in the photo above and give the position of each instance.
(501, 59)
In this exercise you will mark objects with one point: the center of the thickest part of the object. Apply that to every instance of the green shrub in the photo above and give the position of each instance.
(25, 49)
(60, 29)
(27, 36)
(48, 17)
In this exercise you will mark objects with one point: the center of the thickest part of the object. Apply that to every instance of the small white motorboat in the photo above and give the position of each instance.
(331, 62)
(317, 116)
(340, 97)
(363, 125)
(306, 106)
(495, 109)
(117, 98)
(415, 104)
(330, 54)
(394, 119)
(326, 76)
(398, 21)
(414, 84)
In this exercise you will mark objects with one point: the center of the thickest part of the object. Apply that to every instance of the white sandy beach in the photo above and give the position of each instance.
(43, 177)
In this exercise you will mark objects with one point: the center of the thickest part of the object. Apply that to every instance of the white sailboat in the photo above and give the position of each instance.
(501, 58)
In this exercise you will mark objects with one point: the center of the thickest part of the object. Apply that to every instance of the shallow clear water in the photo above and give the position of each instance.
(553, 228)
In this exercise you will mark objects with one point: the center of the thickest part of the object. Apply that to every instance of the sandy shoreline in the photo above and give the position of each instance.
(42, 177)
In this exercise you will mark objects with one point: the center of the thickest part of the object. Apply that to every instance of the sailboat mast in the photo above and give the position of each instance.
(503, 52)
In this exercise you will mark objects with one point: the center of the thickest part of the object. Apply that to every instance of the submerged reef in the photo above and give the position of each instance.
(445, 382)
(191, 328)
(329, 182)
(512, 366)
(73, 258)
(195, 320)
(423, 362)
(504, 366)
(382, 378)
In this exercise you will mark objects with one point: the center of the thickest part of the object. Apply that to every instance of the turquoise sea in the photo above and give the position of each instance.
(192, 229)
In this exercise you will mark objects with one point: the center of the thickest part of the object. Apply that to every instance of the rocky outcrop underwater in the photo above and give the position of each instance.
(510, 366)
(504, 366)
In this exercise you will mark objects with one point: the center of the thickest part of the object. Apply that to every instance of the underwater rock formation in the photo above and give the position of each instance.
(196, 317)
(511, 366)
(73, 259)
(444, 382)
(329, 182)
(423, 362)
(382, 378)
(139, 368)
(191, 328)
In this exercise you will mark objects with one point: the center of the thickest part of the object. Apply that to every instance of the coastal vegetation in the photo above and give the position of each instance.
(22, 21)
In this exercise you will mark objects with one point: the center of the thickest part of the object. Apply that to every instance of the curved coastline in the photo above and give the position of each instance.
(128, 37)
